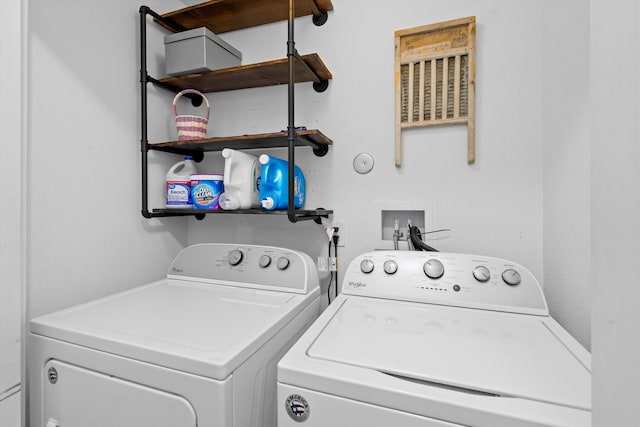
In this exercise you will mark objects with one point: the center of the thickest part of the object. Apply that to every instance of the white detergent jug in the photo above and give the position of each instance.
(241, 180)
(178, 184)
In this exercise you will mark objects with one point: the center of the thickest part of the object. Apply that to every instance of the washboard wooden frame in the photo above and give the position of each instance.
(435, 78)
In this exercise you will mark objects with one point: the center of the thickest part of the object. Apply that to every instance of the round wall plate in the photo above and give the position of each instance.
(363, 163)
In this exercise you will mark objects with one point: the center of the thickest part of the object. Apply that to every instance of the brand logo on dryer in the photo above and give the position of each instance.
(297, 407)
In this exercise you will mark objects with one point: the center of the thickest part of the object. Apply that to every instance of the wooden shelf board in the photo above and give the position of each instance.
(245, 142)
(228, 15)
(262, 74)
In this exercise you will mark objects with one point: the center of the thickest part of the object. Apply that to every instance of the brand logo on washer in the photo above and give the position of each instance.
(297, 408)
(358, 284)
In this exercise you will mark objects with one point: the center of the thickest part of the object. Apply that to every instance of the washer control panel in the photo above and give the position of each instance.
(446, 278)
(260, 267)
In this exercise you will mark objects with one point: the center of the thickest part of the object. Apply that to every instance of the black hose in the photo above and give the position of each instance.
(416, 239)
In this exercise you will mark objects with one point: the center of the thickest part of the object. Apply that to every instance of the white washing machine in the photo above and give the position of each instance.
(421, 339)
(198, 348)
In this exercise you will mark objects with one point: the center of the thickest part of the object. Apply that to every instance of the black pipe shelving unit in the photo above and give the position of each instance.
(294, 69)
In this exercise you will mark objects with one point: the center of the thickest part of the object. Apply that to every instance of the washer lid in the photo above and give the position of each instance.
(503, 354)
(203, 329)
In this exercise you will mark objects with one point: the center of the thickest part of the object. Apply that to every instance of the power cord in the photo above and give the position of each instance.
(335, 239)
(330, 275)
(332, 233)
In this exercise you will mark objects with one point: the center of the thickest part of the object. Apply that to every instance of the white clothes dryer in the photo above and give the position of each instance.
(429, 339)
(198, 348)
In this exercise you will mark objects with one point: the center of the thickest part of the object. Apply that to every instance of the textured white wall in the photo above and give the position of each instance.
(493, 207)
(11, 213)
(615, 210)
(87, 237)
(566, 167)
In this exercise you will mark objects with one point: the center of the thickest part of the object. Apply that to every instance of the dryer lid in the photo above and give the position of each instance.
(199, 328)
(503, 354)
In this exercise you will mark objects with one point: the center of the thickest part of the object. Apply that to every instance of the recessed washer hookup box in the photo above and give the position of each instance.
(197, 51)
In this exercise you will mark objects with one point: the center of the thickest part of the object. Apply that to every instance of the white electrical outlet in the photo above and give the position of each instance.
(323, 264)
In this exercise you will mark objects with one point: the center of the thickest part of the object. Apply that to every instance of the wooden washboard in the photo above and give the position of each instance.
(435, 78)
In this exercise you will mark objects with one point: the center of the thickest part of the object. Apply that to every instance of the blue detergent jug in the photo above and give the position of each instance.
(274, 184)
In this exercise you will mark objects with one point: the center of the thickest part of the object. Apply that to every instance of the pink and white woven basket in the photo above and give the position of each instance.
(191, 127)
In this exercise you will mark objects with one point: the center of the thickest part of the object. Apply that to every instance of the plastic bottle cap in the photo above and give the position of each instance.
(264, 159)
(227, 203)
(267, 203)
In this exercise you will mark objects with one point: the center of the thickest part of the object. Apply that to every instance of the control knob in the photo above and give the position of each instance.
(390, 266)
(283, 263)
(366, 266)
(511, 277)
(235, 257)
(264, 261)
(433, 269)
(481, 273)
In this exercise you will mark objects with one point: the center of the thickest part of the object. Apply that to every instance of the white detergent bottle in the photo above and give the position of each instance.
(178, 184)
(241, 180)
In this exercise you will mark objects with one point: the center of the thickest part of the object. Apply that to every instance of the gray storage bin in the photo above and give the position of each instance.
(196, 51)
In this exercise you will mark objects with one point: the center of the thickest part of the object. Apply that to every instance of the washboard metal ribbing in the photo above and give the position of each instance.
(435, 78)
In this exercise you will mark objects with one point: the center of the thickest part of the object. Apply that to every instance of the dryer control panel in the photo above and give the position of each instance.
(446, 278)
(253, 266)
